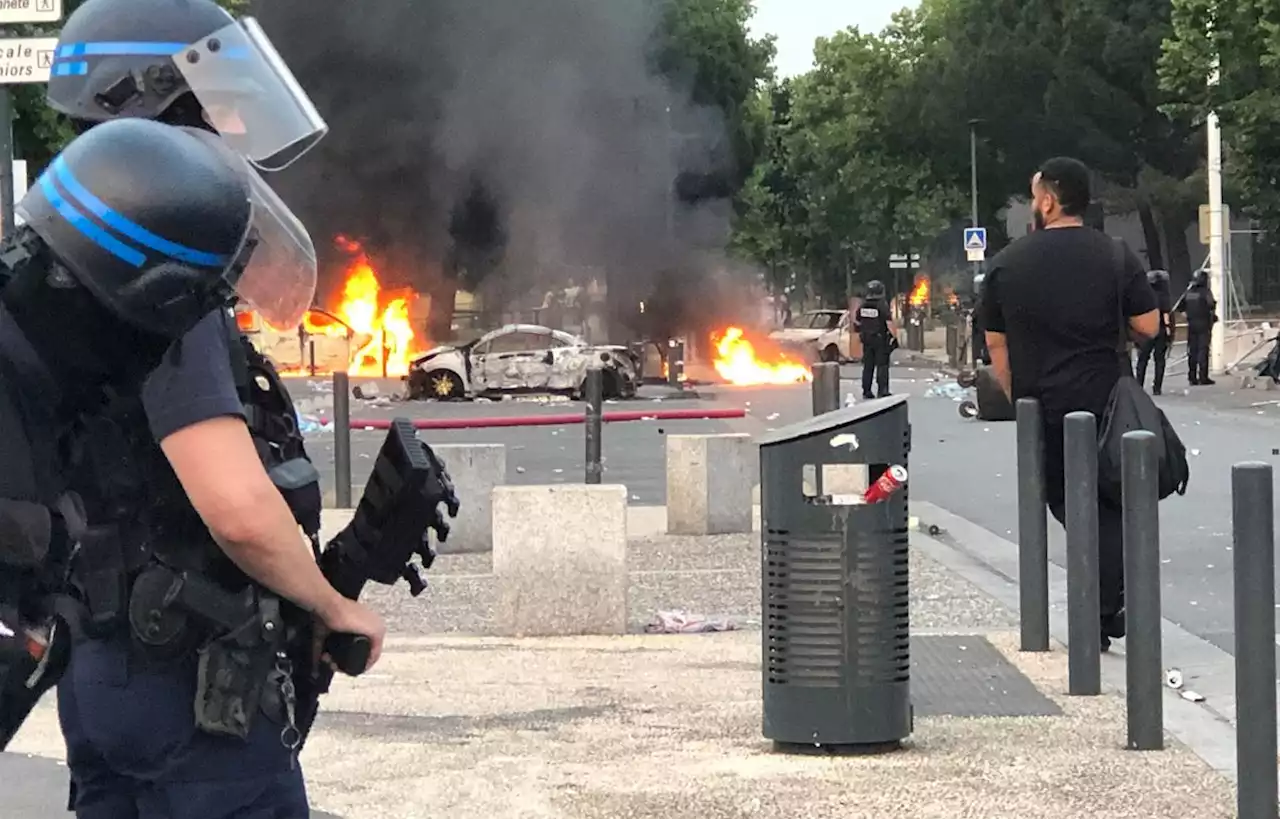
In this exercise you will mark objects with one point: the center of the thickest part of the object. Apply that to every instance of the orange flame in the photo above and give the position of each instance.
(386, 332)
(920, 293)
(737, 362)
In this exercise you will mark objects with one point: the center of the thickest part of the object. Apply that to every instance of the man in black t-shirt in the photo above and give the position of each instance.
(1051, 308)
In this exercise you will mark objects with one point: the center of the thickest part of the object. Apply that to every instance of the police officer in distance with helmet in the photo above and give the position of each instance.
(874, 326)
(201, 480)
(1201, 309)
(1157, 347)
(130, 237)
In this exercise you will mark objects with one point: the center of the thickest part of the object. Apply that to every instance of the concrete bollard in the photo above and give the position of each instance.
(560, 560)
(1084, 617)
(1144, 675)
(342, 439)
(709, 483)
(1254, 556)
(1033, 529)
(476, 469)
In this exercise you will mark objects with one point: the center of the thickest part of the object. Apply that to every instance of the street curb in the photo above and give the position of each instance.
(990, 563)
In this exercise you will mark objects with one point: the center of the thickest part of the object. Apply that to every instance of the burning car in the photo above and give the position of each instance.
(823, 335)
(521, 358)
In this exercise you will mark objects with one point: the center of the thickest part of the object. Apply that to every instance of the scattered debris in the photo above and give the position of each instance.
(951, 389)
(1173, 679)
(773, 416)
(519, 470)
(1191, 696)
(1195, 453)
(680, 622)
(308, 424)
(367, 391)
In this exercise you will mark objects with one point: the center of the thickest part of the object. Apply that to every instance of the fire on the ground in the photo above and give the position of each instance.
(740, 361)
(522, 358)
(370, 333)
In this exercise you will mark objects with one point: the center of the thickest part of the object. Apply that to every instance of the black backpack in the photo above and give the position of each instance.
(1130, 409)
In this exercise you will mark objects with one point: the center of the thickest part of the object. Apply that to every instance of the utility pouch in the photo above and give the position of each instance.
(233, 673)
(102, 576)
(299, 483)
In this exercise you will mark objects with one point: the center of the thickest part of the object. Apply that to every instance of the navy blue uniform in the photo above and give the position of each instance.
(132, 745)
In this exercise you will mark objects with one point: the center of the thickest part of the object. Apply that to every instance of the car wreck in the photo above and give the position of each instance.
(521, 358)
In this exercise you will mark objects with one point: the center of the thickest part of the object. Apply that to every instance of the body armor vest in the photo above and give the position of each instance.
(136, 509)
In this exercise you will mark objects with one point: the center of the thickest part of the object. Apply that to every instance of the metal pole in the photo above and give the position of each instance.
(1217, 241)
(973, 168)
(312, 348)
(1084, 618)
(342, 438)
(1033, 529)
(826, 388)
(594, 393)
(1140, 486)
(1254, 557)
(6, 162)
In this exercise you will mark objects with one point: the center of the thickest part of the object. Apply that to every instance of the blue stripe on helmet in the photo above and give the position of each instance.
(118, 49)
(68, 51)
(79, 69)
(130, 229)
(86, 226)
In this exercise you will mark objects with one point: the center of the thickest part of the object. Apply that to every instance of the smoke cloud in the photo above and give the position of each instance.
(524, 142)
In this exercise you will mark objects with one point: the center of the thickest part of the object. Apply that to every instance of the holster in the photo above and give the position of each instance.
(169, 610)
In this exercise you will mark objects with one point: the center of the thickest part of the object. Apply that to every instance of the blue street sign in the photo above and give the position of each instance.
(975, 239)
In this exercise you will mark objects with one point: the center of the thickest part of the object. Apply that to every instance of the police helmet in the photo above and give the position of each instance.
(152, 222)
(1200, 278)
(186, 62)
(875, 289)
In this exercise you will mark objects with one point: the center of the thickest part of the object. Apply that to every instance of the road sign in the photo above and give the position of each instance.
(976, 255)
(900, 261)
(975, 239)
(26, 60)
(30, 11)
(1206, 221)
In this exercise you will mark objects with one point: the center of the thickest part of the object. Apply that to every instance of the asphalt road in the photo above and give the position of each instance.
(966, 467)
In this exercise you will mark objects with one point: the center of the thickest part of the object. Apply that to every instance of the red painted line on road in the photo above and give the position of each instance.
(554, 420)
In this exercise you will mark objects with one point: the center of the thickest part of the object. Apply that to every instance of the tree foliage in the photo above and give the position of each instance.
(1240, 39)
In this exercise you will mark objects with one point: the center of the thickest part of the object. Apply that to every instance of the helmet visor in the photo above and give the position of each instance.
(250, 96)
(279, 277)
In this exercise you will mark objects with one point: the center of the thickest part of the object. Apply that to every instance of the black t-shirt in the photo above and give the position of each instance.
(195, 385)
(1054, 295)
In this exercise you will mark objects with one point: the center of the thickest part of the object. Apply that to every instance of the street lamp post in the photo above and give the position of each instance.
(973, 190)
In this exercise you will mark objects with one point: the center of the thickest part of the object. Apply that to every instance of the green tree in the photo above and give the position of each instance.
(1240, 38)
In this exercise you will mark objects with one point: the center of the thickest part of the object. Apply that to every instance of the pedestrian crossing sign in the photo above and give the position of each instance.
(975, 239)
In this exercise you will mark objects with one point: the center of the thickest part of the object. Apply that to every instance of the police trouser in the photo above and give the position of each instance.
(1159, 348)
(134, 751)
(1110, 524)
(875, 365)
(1198, 356)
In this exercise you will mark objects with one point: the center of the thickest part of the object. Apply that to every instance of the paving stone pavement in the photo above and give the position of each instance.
(665, 726)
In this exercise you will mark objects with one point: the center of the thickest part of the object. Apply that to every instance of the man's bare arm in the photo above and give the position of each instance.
(998, 349)
(1145, 326)
(219, 469)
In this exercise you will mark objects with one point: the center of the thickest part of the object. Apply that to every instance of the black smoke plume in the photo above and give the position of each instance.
(510, 145)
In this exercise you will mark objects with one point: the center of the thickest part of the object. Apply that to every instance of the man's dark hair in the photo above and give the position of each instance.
(1069, 180)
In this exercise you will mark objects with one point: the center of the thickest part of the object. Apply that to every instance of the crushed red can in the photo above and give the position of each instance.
(893, 479)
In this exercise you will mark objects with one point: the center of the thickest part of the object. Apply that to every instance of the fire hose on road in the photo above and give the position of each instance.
(343, 424)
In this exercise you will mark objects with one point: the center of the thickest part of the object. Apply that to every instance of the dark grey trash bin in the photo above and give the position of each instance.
(835, 599)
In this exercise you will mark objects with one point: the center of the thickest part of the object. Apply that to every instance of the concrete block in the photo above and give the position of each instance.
(709, 483)
(560, 560)
(476, 469)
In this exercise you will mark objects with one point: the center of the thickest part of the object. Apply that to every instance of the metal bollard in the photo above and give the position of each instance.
(675, 363)
(1033, 529)
(1143, 665)
(594, 393)
(826, 388)
(1084, 618)
(1254, 557)
(342, 439)
(953, 345)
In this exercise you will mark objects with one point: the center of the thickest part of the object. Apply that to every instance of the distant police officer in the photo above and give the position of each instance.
(216, 505)
(1158, 346)
(874, 326)
(1201, 310)
(131, 236)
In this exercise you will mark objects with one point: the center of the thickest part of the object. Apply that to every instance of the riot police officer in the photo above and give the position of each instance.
(204, 469)
(874, 326)
(1159, 345)
(1201, 310)
(131, 236)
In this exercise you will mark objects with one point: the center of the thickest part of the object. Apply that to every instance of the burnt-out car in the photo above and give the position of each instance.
(521, 358)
